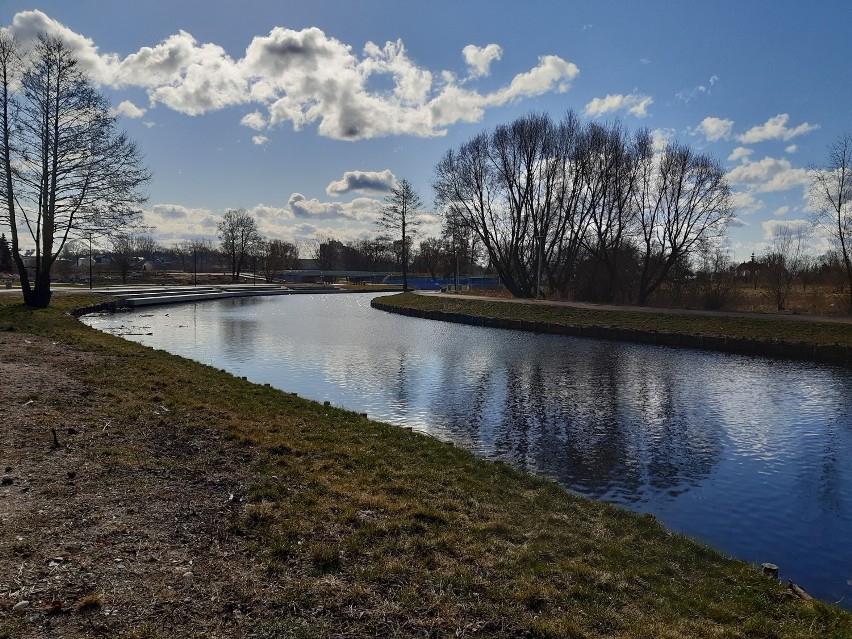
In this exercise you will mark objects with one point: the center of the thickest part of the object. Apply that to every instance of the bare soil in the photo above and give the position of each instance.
(99, 544)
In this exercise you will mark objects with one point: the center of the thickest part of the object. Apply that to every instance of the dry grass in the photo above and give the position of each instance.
(205, 506)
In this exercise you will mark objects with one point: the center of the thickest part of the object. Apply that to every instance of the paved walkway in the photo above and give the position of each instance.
(833, 319)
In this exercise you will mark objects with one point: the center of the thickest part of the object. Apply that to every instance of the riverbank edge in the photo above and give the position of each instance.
(538, 604)
(779, 349)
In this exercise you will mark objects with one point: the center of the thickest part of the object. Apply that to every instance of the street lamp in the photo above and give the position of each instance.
(90, 260)
(541, 239)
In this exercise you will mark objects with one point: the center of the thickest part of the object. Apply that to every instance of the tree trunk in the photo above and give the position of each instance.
(38, 296)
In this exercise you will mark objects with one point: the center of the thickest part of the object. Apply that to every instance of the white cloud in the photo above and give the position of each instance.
(129, 110)
(634, 103)
(739, 153)
(551, 74)
(769, 175)
(745, 202)
(782, 210)
(259, 140)
(254, 120)
(174, 222)
(715, 129)
(479, 59)
(688, 95)
(360, 209)
(791, 149)
(362, 181)
(308, 78)
(771, 227)
(775, 129)
(264, 212)
(661, 138)
(28, 25)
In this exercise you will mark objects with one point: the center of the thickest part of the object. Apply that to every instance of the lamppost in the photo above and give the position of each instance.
(194, 265)
(541, 239)
(90, 260)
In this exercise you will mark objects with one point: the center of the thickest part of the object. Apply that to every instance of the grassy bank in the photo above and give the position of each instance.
(203, 505)
(749, 328)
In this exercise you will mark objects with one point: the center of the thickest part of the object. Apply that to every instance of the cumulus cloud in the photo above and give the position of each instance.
(174, 222)
(360, 209)
(129, 110)
(254, 120)
(479, 59)
(745, 202)
(775, 129)
(634, 103)
(28, 25)
(769, 175)
(791, 149)
(715, 129)
(259, 140)
(362, 182)
(306, 77)
(739, 153)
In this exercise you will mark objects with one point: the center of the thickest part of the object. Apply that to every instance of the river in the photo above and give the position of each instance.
(750, 455)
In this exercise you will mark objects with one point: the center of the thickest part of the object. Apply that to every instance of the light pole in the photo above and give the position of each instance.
(194, 265)
(541, 239)
(90, 260)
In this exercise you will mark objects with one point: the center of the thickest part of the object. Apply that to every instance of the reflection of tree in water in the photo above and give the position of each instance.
(240, 333)
(603, 425)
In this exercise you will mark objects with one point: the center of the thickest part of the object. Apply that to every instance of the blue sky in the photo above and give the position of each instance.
(303, 112)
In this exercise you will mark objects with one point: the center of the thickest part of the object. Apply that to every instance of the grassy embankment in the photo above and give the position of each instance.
(751, 328)
(355, 528)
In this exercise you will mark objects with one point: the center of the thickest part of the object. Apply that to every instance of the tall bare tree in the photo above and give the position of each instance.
(65, 170)
(783, 262)
(682, 199)
(276, 256)
(401, 216)
(831, 193)
(239, 238)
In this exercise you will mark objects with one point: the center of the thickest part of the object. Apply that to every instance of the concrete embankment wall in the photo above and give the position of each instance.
(769, 348)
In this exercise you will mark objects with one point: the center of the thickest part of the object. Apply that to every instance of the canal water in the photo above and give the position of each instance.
(750, 455)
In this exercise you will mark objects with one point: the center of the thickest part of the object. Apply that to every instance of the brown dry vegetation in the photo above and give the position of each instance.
(175, 500)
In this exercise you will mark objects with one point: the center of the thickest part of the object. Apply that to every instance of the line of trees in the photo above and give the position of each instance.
(587, 209)
(581, 210)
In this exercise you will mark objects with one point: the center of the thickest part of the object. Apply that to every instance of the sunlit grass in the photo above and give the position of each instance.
(764, 329)
(373, 530)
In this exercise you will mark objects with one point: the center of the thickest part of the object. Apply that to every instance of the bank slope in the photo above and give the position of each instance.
(151, 496)
(809, 340)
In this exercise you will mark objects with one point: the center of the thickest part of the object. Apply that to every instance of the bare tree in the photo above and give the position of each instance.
(401, 215)
(831, 193)
(65, 171)
(682, 198)
(238, 236)
(608, 170)
(782, 262)
(276, 256)
(122, 253)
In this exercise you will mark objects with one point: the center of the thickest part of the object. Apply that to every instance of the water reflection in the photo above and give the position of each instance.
(748, 454)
